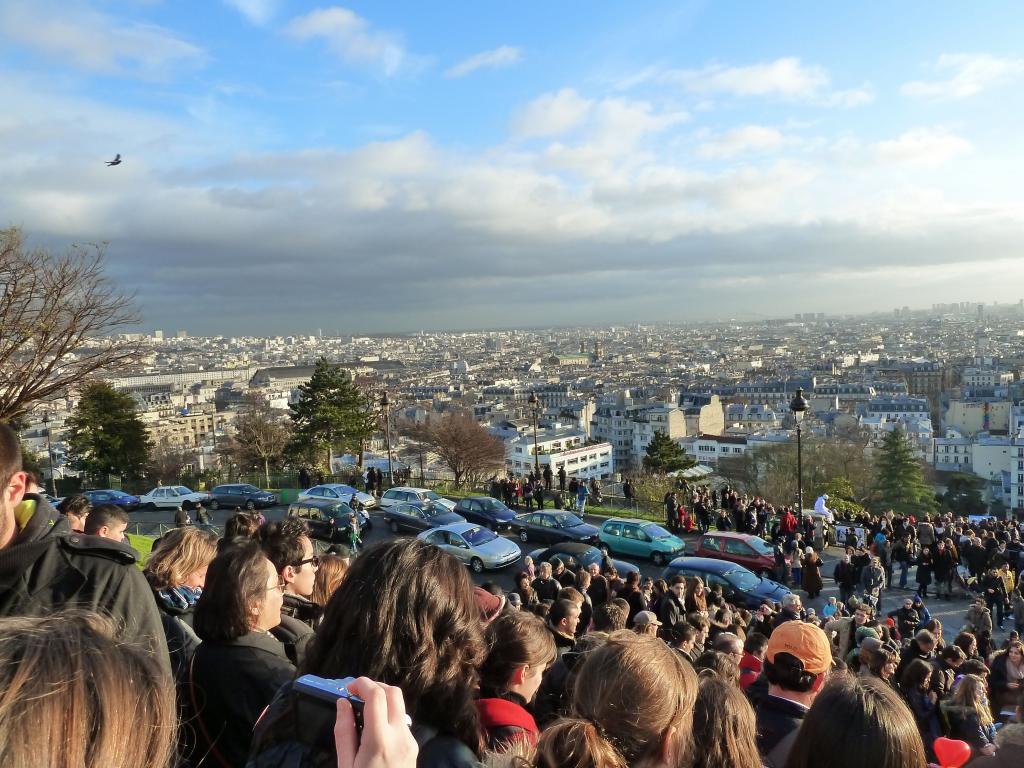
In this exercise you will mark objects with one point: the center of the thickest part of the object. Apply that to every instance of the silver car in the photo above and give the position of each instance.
(477, 546)
(338, 492)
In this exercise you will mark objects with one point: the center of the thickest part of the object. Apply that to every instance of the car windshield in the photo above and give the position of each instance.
(493, 505)
(589, 556)
(566, 520)
(248, 489)
(118, 494)
(760, 546)
(743, 580)
(345, 489)
(432, 510)
(181, 490)
(431, 496)
(477, 536)
(656, 532)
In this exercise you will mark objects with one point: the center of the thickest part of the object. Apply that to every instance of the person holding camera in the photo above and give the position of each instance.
(796, 664)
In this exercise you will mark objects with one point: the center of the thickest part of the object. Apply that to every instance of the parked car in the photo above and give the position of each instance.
(241, 495)
(575, 555)
(552, 527)
(172, 497)
(328, 520)
(339, 492)
(486, 510)
(751, 552)
(124, 500)
(476, 545)
(640, 538)
(739, 585)
(402, 494)
(419, 516)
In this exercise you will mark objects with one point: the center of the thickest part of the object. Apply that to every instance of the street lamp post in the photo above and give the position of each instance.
(49, 454)
(385, 403)
(534, 408)
(798, 405)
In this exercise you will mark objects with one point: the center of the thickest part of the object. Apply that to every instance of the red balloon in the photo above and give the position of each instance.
(951, 753)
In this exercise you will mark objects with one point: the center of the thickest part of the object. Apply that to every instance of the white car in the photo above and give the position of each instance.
(402, 495)
(338, 492)
(172, 497)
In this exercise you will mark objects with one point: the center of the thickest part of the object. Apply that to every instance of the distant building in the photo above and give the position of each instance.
(564, 448)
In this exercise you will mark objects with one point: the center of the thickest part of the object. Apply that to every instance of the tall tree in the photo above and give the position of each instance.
(57, 313)
(260, 437)
(664, 455)
(901, 485)
(467, 449)
(167, 462)
(332, 413)
(105, 434)
(963, 495)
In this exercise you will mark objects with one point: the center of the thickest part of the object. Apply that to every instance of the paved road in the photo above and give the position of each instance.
(951, 612)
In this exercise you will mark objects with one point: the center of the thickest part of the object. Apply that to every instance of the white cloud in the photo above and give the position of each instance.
(923, 147)
(852, 97)
(350, 37)
(502, 56)
(552, 114)
(970, 74)
(787, 77)
(96, 42)
(738, 141)
(258, 12)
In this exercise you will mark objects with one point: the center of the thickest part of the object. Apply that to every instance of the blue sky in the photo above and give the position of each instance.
(514, 164)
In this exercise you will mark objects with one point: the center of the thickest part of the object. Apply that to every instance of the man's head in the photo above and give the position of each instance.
(545, 570)
(12, 483)
(564, 617)
(557, 566)
(730, 645)
(287, 545)
(684, 635)
(925, 640)
(908, 603)
(108, 521)
(797, 661)
(791, 602)
(611, 616)
(76, 509)
(594, 569)
(646, 623)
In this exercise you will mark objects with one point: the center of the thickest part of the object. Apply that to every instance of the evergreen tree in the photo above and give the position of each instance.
(106, 436)
(901, 484)
(331, 414)
(963, 495)
(665, 455)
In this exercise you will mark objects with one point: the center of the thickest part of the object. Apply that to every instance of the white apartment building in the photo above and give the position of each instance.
(708, 449)
(629, 426)
(952, 454)
(985, 378)
(1016, 471)
(560, 448)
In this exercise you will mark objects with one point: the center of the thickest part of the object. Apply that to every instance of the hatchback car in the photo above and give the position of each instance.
(486, 510)
(751, 552)
(328, 520)
(173, 497)
(739, 585)
(402, 494)
(575, 555)
(121, 499)
(339, 492)
(553, 527)
(475, 545)
(419, 516)
(241, 495)
(640, 538)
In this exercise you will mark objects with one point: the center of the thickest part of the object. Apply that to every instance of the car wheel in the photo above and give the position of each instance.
(394, 526)
(477, 565)
(658, 558)
(250, 505)
(523, 536)
(214, 504)
(151, 505)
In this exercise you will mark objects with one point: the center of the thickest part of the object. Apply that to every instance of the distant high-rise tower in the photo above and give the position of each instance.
(981, 311)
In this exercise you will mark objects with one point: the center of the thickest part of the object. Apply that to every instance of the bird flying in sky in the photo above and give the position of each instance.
(115, 161)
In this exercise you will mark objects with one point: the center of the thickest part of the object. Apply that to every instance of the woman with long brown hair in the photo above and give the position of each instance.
(724, 726)
(632, 706)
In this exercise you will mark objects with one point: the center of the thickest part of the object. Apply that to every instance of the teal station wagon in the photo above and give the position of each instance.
(640, 538)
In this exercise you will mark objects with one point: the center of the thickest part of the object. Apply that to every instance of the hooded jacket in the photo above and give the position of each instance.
(1009, 752)
(48, 567)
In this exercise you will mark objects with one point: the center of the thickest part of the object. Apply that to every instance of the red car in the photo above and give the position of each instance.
(749, 551)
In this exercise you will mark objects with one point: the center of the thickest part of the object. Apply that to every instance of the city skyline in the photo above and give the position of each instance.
(384, 168)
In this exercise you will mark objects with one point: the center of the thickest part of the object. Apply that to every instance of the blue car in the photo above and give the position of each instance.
(739, 585)
(419, 516)
(109, 496)
(485, 510)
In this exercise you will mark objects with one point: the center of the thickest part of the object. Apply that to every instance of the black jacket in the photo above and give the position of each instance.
(182, 639)
(229, 685)
(47, 567)
(776, 719)
(672, 611)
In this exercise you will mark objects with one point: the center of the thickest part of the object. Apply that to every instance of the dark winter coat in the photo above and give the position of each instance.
(229, 685)
(776, 719)
(47, 567)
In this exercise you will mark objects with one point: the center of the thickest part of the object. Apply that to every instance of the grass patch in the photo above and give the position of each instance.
(143, 545)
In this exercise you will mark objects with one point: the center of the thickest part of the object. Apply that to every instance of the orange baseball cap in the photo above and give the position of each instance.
(804, 641)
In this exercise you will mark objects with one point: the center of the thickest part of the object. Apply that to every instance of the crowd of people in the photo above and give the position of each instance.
(203, 660)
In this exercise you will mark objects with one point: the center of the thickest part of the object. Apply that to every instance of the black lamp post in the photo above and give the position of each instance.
(49, 454)
(534, 408)
(385, 403)
(798, 405)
